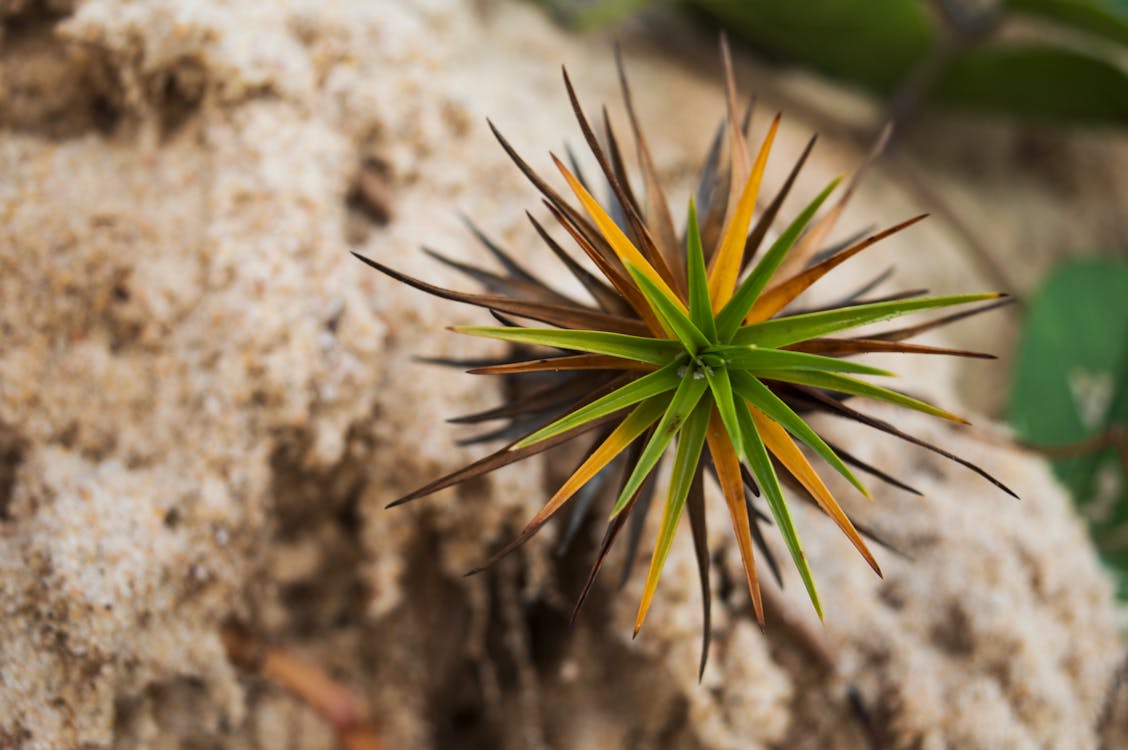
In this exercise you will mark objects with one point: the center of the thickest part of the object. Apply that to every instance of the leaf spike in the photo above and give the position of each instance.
(657, 207)
(640, 348)
(496, 460)
(690, 442)
(848, 347)
(620, 190)
(838, 408)
(619, 242)
(834, 382)
(700, 309)
(815, 239)
(738, 149)
(696, 505)
(511, 266)
(901, 334)
(622, 436)
(609, 537)
(767, 217)
(550, 195)
(791, 329)
(781, 293)
(603, 295)
(725, 266)
(759, 395)
(619, 280)
(680, 406)
(651, 384)
(756, 454)
(727, 466)
(672, 318)
(567, 363)
(781, 446)
(747, 292)
(567, 316)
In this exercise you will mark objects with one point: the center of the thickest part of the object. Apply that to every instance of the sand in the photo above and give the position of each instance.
(205, 403)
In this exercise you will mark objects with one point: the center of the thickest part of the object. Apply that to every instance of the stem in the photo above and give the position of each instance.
(337, 704)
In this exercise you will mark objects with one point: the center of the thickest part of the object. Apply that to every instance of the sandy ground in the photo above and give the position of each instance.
(205, 403)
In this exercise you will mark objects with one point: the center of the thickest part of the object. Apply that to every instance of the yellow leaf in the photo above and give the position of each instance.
(622, 282)
(620, 243)
(628, 430)
(725, 266)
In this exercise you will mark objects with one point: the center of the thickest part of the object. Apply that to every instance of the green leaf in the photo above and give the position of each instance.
(638, 348)
(761, 465)
(749, 357)
(700, 308)
(842, 384)
(688, 455)
(787, 330)
(721, 386)
(677, 321)
(1036, 81)
(1071, 383)
(651, 384)
(681, 404)
(594, 15)
(873, 43)
(733, 313)
(879, 43)
(762, 398)
(1098, 17)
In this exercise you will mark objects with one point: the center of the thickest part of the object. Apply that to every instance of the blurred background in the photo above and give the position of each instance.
(206, 401)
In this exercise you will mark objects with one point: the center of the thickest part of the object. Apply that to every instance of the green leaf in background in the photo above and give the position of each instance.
(873, 43)
(1037, 81)
(1104, 18)
(879, 43)
(1071, 383)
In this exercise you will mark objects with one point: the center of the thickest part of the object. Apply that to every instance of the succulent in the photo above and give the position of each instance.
(688, 347)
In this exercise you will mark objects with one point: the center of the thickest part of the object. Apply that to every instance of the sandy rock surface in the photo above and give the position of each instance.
(205, 402)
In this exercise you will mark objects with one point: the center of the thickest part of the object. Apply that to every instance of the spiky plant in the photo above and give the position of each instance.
(687, 342)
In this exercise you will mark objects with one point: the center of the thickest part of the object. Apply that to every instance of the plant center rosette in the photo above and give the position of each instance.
(690, 346)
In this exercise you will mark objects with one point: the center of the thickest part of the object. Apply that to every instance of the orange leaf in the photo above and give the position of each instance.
(728, 472)
(780, 294)
(801, 255)
(644, 415)
(628, 430)
(725, 266)
(784, 448)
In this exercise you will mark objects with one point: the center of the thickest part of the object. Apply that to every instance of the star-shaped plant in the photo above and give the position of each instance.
(688, 345)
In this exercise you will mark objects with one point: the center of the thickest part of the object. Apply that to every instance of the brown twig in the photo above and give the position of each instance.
(1115, 436)
(337, 704)
(372, 191)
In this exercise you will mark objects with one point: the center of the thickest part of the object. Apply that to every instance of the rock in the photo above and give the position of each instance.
(205, 402)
